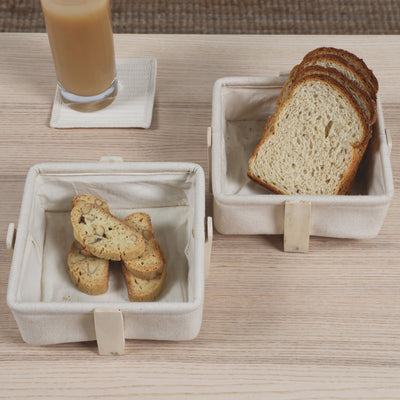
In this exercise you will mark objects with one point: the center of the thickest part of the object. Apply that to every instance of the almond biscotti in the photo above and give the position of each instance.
(144, 289)
(141, 221)
(144, 275)
(88, 198)
(149, 264)
(104, 235)
(89, 274)
(101, 237)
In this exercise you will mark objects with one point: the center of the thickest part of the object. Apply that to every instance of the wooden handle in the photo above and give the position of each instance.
(297, 226)
(110, 335)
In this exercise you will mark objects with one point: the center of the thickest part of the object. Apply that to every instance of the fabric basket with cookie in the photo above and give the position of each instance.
(125, 237)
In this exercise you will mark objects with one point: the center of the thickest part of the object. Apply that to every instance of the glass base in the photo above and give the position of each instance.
(90, 103)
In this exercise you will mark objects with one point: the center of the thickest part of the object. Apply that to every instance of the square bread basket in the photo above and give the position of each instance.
(49, 309)
(241, 107)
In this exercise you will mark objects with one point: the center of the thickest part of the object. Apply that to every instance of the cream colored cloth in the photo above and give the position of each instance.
(132, 108)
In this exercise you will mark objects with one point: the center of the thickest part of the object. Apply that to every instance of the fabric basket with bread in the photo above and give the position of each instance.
(315, 134)
(315, 140)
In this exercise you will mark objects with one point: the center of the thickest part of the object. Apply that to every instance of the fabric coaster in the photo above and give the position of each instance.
(132, 108)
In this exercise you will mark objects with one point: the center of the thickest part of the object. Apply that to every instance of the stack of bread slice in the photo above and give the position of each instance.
(315, 140)
(100, 238)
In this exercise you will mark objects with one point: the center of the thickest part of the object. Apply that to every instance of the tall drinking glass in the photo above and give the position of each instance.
(81, 41)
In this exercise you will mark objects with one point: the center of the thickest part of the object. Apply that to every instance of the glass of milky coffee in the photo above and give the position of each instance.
(81, 41)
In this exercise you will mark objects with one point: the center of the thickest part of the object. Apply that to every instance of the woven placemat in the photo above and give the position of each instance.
(228, 16)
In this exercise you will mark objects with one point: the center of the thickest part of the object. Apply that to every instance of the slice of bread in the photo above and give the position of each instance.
(351, 58)
(318, 137)
(104, 235)
(343, 66)
(269, 125)
(284, 94)
(89, 274)
(143, 289)
(363, 99)
(150, 263)
(361, 96)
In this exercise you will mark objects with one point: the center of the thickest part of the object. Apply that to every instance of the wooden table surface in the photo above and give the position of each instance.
(321, 325)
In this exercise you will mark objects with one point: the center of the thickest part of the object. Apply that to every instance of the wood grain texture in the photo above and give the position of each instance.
(321, 325)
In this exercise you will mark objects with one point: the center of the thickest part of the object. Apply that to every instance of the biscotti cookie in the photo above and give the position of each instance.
(104, 235)
(143, 289)
(88, 198)
(141, 221)
(149, 264)
(89, 274)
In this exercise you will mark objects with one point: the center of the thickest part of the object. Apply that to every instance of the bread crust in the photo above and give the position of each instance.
(267, 132)
(361, 81)
(283, 95)
(352, 59)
